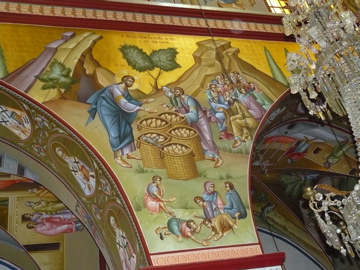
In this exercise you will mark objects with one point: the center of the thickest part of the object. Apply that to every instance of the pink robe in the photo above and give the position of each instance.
(53, 226)
(152, 202)
(184, 230)
(199, 118)
(256, 110)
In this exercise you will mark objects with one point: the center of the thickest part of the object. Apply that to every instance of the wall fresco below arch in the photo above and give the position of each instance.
(87, 207)
(91, 163)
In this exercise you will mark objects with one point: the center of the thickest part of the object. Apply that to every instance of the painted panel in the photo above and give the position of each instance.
(181, 148)
(292, 151)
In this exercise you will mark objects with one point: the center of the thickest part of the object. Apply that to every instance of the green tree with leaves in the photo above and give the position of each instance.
(159, 61)
(3, 67)
(57, 77)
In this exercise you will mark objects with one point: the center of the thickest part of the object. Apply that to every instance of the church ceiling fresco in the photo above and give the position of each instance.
(12, 250)
(293, 151)
(182, 157)
(80, 170)
(290, 150)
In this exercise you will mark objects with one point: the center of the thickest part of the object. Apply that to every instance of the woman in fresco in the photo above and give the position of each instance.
(256, 110)
(117, 111)
(126, 252)
(210, 194)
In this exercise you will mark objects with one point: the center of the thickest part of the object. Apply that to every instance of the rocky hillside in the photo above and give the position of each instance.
(75, 52)
(208, 64)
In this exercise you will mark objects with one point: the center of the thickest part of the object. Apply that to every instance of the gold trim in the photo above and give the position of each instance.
(118, 98)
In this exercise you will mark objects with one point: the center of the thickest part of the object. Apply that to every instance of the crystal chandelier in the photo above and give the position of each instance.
(344, 208)
(326, 74)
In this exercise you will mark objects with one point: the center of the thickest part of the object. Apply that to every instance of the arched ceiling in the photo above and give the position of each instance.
(276, 184)
(43, 136)
(57, 142)
(292, 151)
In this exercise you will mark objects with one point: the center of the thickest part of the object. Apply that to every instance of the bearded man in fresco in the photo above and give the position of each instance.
(84, 175)
(242, 123)
(15, 121)
(234, 205)
(218, 104)
(117, 111)
(198, 118)
(126, 252)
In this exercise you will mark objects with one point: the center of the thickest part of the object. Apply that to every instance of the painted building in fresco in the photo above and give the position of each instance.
(157, 149)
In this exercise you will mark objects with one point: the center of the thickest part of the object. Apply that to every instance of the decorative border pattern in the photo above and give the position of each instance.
(234, 25)
(59, 128)
(206, 255)
(170, 20)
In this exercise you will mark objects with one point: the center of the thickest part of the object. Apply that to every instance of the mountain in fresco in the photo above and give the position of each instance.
(211, 61)
(76, 53)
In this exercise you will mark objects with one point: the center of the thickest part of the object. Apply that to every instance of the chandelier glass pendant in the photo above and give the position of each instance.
(329, 39)
(326, 73)
(342, 231)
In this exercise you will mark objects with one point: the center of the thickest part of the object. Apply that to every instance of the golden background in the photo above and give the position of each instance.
(21, 43)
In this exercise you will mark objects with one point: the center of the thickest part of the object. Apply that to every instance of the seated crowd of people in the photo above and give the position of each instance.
(238, 104)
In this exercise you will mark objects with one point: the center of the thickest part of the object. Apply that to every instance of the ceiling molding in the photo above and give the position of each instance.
(142, 18)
